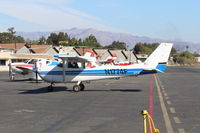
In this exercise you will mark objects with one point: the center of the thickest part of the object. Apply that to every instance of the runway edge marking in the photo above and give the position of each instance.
(172, 110)
(177, 120)
(181, 130)
(163, 107)
(169, 102)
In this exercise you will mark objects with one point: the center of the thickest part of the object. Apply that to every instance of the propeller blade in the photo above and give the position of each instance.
(36, 73)
(9, 69)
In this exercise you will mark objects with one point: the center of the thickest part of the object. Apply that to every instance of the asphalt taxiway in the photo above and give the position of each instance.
(109, 106)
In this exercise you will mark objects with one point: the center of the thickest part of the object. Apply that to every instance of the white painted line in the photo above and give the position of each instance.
(166, 97)
(163, 107)
(177, 120)
(24, 110)
(165, 94)
(169, 102)
(172, 110)
(181, 130)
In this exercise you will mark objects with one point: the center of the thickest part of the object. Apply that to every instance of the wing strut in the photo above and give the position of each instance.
(64, 68)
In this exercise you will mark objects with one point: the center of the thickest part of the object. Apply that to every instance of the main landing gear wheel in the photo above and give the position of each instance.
(76, 88)
(82, 87)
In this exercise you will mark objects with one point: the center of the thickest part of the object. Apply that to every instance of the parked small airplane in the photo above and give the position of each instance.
(27, 67)
(73, 68)
(20, 68)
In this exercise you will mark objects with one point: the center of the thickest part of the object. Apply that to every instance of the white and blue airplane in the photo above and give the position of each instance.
(73, 68)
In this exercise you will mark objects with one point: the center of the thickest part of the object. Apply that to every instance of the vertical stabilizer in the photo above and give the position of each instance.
(159, 55)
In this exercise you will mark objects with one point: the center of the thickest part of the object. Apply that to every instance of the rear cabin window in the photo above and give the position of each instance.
(73, 65)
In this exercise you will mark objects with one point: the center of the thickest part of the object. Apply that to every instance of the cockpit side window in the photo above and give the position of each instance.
(26, 61)
(60, 64)
(73, 65)
(33, 61)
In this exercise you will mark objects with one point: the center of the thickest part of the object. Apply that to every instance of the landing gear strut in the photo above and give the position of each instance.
(50, 87)
(82, 86)
(12, 77)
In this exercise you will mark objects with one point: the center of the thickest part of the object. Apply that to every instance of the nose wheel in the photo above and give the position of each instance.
(50, 87)
(12, 77)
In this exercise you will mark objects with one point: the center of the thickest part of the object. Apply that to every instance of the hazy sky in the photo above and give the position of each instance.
(166, 19)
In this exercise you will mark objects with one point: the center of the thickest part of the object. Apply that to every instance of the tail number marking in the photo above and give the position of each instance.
(115, 71)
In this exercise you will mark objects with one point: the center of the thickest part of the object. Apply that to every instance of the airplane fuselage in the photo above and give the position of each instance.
(56, 74)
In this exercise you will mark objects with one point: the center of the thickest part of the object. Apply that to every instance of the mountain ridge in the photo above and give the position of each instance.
(107, 37)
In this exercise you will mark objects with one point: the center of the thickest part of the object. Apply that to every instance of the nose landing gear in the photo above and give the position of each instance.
(50, 87)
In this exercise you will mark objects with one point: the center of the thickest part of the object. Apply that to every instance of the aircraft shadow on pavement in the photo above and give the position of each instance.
(17, 80)
(59, 88)
(43, 90)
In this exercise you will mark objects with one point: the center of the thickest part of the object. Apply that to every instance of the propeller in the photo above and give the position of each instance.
(36, 72)
(9, 69)
(10, 73)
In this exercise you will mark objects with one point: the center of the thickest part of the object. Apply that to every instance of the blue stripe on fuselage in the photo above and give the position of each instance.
(95, 72)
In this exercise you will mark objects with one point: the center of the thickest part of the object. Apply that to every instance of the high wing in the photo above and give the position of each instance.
(25, 69)
(21, 67)
(72, 58)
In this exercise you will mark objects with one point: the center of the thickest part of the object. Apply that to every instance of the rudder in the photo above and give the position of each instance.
(159, 57)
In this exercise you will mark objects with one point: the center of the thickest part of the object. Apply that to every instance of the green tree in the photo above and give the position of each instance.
(91, 41)
(19, 39)
(58, 39)
(184, 58)
(73, 42)
(117, 45)
(186, 54)
(195, 54)
(5, 37)
(145, 48)
(9, 37)
(173, 51)
(42, 40)
(53, 39)
(80, 43)
(62, 36)
(11, 31)
(67, 36)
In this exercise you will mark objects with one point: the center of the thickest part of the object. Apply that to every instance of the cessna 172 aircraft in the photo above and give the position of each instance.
(26, 67)
(73, 68)
(21, 68)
